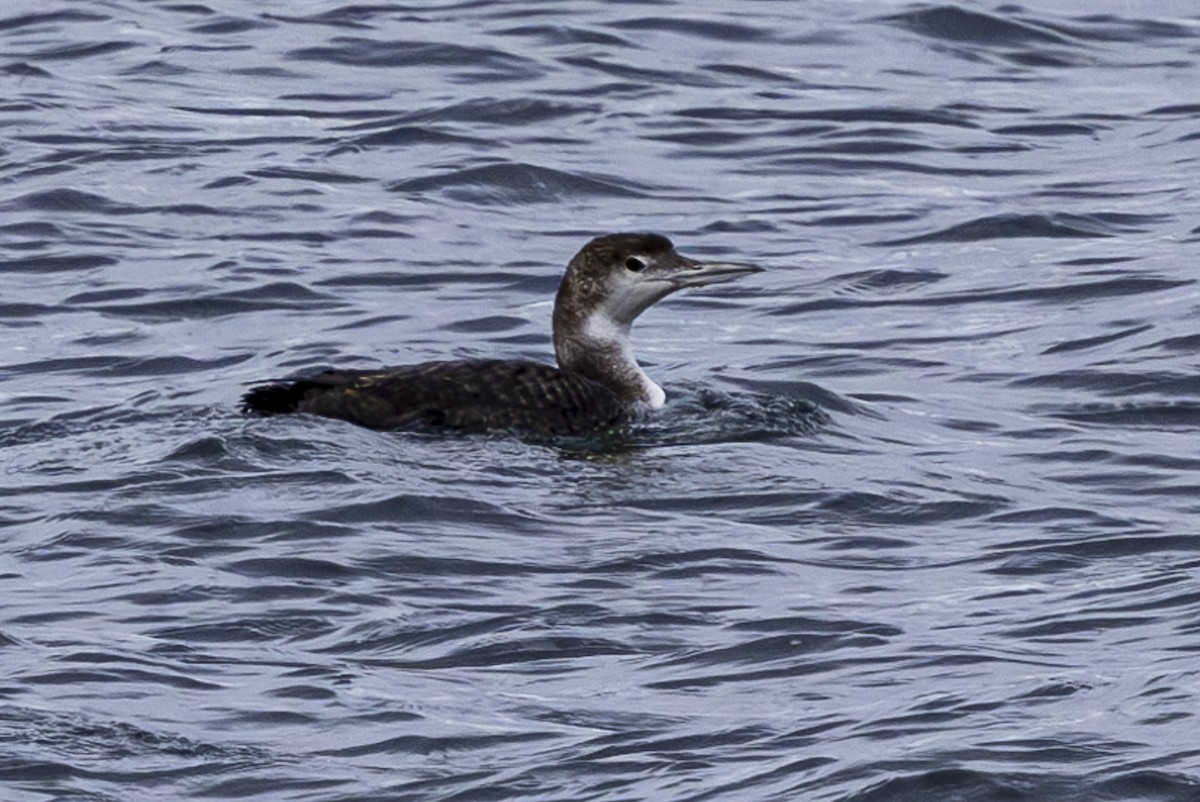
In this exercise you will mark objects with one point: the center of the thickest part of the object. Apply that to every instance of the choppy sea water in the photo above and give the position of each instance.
(920, 521)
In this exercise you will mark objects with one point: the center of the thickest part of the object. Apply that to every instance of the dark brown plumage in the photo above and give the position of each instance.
(473, 395)
(597, 385)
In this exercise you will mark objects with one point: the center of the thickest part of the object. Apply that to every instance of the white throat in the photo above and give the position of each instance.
(602, 333)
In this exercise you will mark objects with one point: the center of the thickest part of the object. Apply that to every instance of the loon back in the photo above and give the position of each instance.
(597, 384)
(475, 395)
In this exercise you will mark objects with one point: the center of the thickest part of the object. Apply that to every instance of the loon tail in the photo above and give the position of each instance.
(287, 396)
(274, 399)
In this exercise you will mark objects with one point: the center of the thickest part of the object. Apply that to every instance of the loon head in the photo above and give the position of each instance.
(611, 281)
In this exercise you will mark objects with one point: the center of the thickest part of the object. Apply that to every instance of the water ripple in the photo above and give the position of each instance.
(917, 520)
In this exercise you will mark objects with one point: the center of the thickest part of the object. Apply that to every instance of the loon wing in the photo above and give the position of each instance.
(472, 395)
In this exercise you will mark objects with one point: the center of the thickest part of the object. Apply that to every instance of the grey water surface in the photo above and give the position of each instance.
(920, 521)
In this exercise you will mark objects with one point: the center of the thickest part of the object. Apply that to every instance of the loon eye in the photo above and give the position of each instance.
(635, 263)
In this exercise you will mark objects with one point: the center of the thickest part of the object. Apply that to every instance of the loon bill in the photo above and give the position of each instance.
(597, 384)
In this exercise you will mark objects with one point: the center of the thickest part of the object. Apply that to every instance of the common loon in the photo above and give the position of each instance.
(597, 384)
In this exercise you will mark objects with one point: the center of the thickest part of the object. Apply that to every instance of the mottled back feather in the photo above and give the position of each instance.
(476, 395)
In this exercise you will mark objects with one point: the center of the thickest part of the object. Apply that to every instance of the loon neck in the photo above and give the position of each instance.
(598, 347)
(611, 281)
